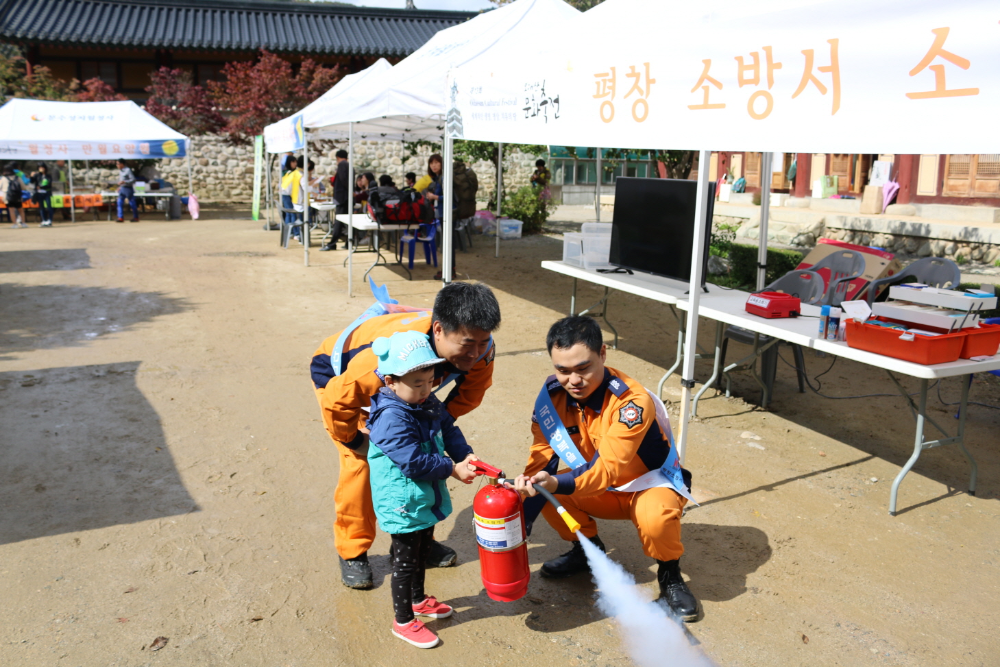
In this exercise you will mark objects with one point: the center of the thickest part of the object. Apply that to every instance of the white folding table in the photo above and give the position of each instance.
(155, 193)
(656, 288)
(731, 309)
(364, 223)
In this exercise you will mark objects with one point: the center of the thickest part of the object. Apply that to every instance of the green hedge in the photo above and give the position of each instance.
(743, 259)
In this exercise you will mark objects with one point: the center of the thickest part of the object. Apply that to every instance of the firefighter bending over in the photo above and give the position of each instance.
(615, 438)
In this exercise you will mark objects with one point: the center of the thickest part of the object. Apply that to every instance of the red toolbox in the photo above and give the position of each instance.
(899, 344)
(774, 304)
(981, 342)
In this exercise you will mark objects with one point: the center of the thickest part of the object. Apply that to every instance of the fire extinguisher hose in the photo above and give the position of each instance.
(571, 523)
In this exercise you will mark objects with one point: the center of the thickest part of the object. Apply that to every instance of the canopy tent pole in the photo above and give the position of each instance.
(765, 211)
(350, 210)
(447, 194)
(72, 199)
(305, 197)
(597, 189)
(190, 180)
(496, 228)
(267, 172)
(694, 297)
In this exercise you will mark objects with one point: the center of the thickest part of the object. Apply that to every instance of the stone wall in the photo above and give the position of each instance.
(224, 173)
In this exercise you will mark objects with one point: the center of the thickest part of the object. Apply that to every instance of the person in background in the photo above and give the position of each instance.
(42, 195)
(540, 180)
(465, 185)
(411, 180)
(10, 190)
(126, 190)
(341, 181)
(291, 195)
(541, 176)
(387, 188)
(426, 184)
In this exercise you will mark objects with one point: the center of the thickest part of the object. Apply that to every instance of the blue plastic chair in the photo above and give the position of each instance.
(425, 234)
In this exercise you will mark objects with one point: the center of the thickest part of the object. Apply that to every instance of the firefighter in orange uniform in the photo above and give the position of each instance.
(622, 465)
(460, 328)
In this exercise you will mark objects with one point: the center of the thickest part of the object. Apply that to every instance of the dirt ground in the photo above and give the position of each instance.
(164, 472)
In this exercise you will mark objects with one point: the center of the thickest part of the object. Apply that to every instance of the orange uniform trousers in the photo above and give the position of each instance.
(655, 513)
(354, 527)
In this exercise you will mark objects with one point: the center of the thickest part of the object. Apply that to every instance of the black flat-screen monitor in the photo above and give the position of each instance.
(653, 226)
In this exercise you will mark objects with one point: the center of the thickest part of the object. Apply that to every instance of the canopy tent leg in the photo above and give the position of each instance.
(267, 171)
(496, 228)
(350, 210)
(72, 199)
(694, 296)
(765, 211)
(447, 222)
(597, 188)
(190, 179)
(305, 197)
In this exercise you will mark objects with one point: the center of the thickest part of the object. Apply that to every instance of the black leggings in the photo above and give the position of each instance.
(409, 555)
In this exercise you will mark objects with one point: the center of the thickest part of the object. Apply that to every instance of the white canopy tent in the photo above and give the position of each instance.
(914, 76)
(43, 130)
(411, 100)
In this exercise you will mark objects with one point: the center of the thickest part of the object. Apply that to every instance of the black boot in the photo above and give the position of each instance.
(571, 562)
(356, 572)
(441, 556)
(674, 592)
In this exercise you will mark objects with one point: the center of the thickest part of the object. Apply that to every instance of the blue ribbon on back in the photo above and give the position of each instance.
(382, 299)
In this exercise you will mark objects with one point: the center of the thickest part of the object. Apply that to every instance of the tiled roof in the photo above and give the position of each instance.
(223, 25)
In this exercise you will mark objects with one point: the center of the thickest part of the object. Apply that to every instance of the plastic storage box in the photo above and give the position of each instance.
(981, 342)
(510, 229)
(899, 344)
(589, 251)
(596, 228)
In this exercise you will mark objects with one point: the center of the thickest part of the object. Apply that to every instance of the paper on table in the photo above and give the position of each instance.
(857, 310)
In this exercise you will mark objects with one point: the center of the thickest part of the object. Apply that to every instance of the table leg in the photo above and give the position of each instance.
(603, 303)
(378, 254)
(963, 408)
(572, 300)
(715, 369)
(918, 445)
(680, 352)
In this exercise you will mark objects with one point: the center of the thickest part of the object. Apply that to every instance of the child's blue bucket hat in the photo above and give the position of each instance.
(404, 352)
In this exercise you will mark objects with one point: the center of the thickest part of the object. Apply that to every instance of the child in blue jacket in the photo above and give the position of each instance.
(410, 432)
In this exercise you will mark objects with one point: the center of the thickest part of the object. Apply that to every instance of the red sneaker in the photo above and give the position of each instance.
(431, 608)
(416, 633)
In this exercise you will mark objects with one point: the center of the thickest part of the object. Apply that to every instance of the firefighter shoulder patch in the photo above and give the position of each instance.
(630, 414)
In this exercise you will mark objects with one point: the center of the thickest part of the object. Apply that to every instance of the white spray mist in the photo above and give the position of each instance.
(651, 636)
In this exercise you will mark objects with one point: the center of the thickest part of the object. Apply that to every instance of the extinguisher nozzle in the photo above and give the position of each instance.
(571, 523)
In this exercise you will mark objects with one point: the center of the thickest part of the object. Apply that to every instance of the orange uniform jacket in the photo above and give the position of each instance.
(615, 430)
(342, 397)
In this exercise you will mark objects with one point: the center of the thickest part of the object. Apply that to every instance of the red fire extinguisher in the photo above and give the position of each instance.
(500, 531)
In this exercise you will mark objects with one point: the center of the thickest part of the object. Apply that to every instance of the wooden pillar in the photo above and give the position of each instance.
(803, 173)
(906, 177)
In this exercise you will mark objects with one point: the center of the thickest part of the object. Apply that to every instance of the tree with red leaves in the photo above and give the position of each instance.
(187, 108)
(262, 92)
(96, 90)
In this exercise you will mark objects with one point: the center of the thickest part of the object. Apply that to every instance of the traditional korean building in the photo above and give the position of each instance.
(123, 41)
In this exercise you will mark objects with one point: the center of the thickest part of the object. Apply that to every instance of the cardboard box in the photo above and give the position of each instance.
(871, 202)
(878, 264)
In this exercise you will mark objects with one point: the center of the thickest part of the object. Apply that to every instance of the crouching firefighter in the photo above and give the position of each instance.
(615, 437)
(345, 376)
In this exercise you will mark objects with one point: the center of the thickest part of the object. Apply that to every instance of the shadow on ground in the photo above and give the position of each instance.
(51, 316)
(68, 464)
(65, 259)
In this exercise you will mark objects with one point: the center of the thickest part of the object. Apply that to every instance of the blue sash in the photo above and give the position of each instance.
(558, 437)
(555, 432)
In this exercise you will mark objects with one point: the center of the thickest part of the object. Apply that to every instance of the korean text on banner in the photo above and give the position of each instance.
(258, 173)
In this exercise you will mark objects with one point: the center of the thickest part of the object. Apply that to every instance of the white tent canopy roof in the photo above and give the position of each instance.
(409, 101)
(914, 76)
(281, 137)
(44, 130)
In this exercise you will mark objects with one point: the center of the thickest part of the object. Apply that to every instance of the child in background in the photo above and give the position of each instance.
(410, 432)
